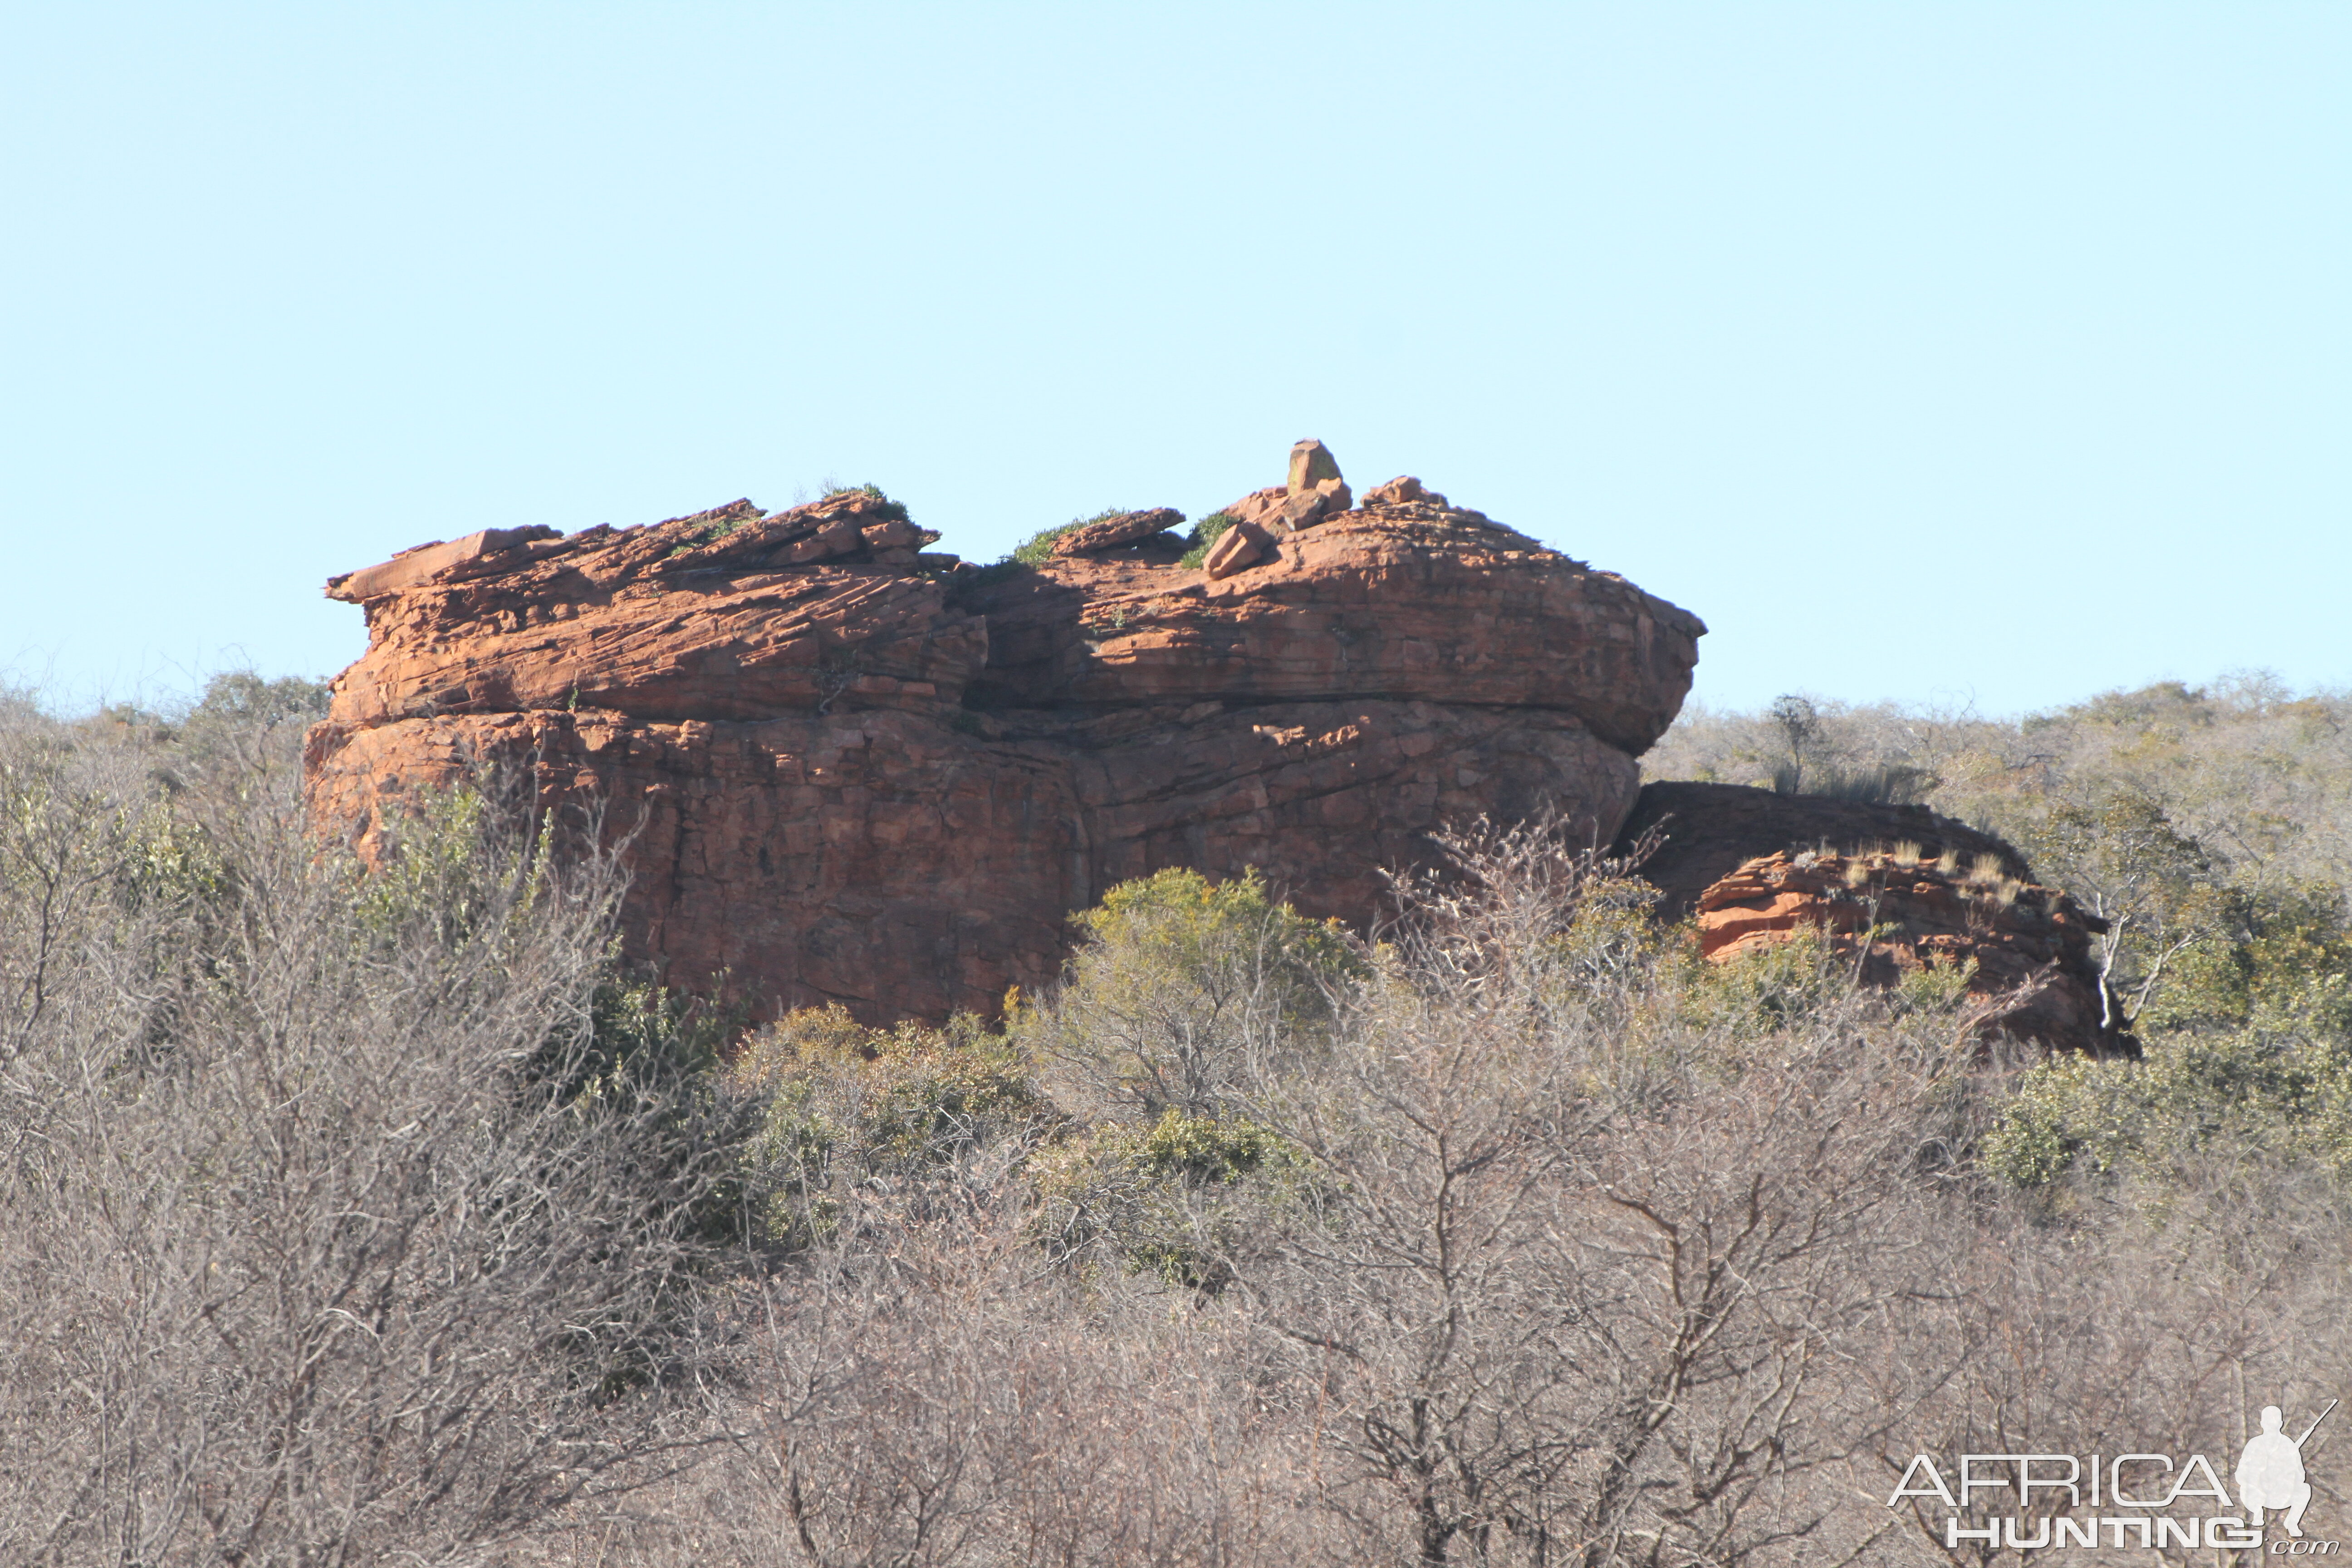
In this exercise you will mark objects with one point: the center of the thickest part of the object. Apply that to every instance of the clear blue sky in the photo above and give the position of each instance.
(1925, 349)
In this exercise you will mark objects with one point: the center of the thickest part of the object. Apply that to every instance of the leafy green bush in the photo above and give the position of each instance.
(2146, 1121)
(845, 1106)
(2274, 960)
(1167, 1199)
(1784, 985)
(1176, 981)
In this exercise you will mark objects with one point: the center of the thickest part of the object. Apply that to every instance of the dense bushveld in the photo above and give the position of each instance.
(383, 1217)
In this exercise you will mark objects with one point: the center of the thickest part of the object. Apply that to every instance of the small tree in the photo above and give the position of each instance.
(1799, 724)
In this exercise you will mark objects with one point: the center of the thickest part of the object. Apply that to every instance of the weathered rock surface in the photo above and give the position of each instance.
(1706, 831)
(2033, 974)
(491, 550)
(853, 776)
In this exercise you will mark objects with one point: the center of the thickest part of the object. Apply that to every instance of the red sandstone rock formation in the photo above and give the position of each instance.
(859, 773)
(2034, 977)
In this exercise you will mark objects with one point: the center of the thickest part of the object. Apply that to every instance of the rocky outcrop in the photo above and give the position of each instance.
(1314, 491)
(857, 771)
(2026, 950)
(1704, 832)
(1402, 489)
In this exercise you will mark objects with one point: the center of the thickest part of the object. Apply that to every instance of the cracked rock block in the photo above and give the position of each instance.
(1241, 545)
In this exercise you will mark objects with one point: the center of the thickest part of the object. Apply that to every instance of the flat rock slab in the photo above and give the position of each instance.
(1126, 528)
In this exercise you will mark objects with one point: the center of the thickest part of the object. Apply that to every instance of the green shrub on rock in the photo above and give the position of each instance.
(1035, 550)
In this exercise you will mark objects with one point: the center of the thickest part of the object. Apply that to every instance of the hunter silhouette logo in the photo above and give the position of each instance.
(2152, 1501)
(2270, 1472)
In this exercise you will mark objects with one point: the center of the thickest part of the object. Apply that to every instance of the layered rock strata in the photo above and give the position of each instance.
(2025, 949)
(859, 772)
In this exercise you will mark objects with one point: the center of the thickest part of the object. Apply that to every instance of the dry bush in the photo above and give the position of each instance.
(2165, 1326)
(344, 1224)
(949, 1402)
(330, 1235)
(1533, 1292)
(1575, 1269)
(1577, 1255)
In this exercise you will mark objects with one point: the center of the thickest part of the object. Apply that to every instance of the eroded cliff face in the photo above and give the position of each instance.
(857, 773)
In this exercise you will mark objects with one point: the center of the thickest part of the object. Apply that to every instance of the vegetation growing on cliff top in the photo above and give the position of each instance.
(379, 1218)
(1035, 550)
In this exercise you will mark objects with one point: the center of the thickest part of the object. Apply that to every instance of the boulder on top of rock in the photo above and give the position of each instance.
(1311, 463)
(1126, 528)
(1402, 490)
(1303, 512)
(1239, 546)
(1314, 491)
(1260, 507)
(2025, 950)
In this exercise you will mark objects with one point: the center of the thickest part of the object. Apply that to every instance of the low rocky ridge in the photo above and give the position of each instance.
(859, 771)
(2026, 948)
(1708, 831)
